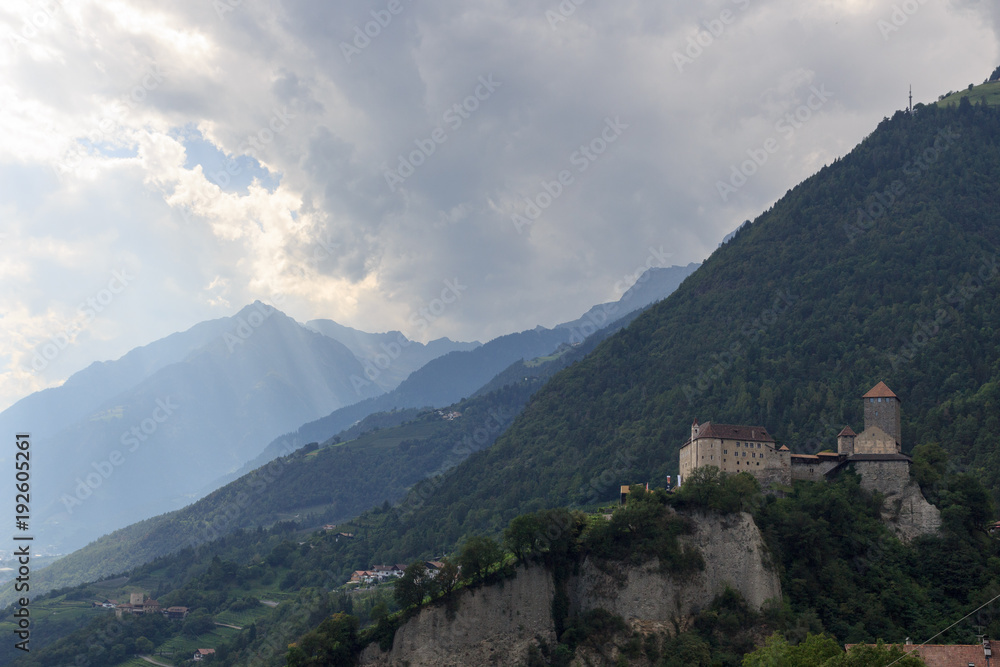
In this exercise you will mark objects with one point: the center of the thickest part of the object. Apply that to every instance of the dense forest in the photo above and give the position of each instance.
(785, 326)
(882, 266)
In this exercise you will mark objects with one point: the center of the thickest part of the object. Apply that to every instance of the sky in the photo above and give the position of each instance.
(441, 168)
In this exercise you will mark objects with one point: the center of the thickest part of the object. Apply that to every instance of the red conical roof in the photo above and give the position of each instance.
(880, 391)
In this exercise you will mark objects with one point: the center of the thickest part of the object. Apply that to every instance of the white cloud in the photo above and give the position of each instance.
(101, 100)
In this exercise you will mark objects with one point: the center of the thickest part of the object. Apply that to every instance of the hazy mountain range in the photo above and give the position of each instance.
(167, 423)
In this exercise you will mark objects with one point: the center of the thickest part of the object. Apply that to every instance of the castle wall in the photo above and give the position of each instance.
(886, 477)
(774, 476)
(732, 456)
(812, 470)
(875, 441)
(885, 414)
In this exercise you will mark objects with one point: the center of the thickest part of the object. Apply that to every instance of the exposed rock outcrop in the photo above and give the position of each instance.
(904, 509)
(494, 625)
(734, 555)
(908, 513)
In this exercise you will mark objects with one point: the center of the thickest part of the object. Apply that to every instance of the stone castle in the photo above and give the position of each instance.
(876, 455)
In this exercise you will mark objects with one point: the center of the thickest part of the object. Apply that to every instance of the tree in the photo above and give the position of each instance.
(877, 655)
(685, 650)
(332, 644)
(197, 623)
(447, 577)
(478, 556)
(710, 488)
(521, 534)
(143, 646)
(930, 465)
(776, 652)
(411, 588)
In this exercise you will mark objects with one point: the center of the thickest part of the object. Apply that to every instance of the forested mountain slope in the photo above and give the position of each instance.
(882, 266)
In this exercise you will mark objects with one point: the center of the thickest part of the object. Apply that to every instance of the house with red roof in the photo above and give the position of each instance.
(951, 655)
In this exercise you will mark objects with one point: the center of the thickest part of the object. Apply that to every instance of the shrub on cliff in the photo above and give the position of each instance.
(710, 488)
(644, 528)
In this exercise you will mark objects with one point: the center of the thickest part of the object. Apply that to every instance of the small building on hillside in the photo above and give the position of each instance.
(362, 577)
(176, 613)
(137, 604)
(203, 653)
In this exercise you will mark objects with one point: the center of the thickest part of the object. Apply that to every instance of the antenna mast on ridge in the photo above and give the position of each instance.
(911, 99)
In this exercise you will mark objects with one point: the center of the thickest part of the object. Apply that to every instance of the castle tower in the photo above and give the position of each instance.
(845, 441)
(694, 430)
(882, 409)
(135, 598)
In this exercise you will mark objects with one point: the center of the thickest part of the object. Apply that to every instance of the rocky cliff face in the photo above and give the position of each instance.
(494, 625)
(908, 513)
(904, 510)
(734, 555)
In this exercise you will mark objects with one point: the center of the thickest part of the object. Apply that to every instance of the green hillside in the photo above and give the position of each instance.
(328, 483)
(988, 93)
(880, 267)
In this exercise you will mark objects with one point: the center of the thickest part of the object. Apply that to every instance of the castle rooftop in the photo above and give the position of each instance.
(880, 391)
(734, 432)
